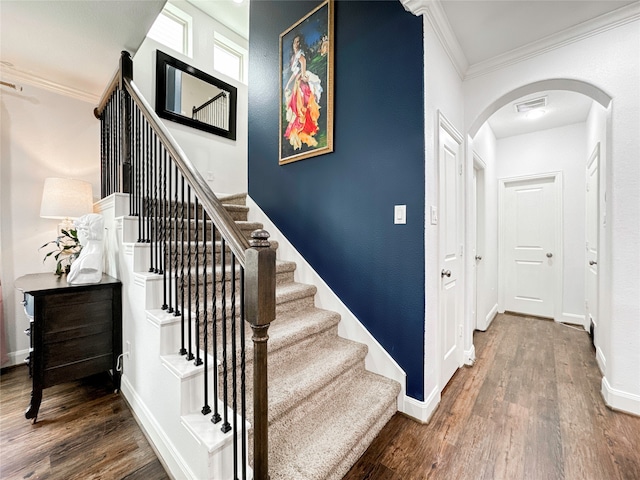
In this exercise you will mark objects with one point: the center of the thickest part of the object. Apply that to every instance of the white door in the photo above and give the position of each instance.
(473, 225)
(593, 195)
(530, 233)
(451, 290)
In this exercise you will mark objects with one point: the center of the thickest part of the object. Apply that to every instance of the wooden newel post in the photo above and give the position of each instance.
(260, 310)
(126, 71)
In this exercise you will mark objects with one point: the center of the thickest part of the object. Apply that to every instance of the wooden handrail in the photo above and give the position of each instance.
(113, 84)
(222, 219)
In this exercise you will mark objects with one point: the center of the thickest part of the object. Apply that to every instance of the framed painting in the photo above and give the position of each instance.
(306, 86)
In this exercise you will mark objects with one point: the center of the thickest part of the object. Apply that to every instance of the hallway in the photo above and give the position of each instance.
(530, 408)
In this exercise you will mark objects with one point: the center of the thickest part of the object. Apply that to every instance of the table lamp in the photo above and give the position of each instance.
(66, 199)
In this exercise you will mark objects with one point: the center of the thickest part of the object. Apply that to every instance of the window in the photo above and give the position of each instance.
(229, 58)
(173, 28)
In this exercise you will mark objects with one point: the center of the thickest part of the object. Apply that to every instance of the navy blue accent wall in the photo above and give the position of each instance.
(337, 209)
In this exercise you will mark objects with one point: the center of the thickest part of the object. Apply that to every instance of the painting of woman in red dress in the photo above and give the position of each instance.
(303, 92)
(306, 91)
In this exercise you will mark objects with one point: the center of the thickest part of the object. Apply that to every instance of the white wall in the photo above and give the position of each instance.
(610, 61)
(485, 145)
(443, 92)
(222, 162)
(43, 135)
(557, 150)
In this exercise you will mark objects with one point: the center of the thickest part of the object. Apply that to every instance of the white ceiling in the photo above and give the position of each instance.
(74, 45)
(485, 29)
(232, 14)
(71, 45)
(563, 108)
(483, 35)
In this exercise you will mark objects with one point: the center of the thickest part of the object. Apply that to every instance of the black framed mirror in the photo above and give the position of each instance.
(192, 97)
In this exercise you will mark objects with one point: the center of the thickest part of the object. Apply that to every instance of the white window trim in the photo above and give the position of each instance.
(174, 13)
(235, 49)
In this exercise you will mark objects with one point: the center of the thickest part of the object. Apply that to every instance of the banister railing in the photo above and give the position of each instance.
(214, 278)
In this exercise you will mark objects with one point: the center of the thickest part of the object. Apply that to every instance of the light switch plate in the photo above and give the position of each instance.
(434, 215)
(400, 214)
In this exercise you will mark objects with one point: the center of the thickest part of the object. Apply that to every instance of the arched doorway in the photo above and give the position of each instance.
(598, 147)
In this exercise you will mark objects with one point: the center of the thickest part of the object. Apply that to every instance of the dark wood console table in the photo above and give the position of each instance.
(76, 330)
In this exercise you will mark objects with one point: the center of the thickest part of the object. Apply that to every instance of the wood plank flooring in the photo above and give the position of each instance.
(530, 408)
(84, 431)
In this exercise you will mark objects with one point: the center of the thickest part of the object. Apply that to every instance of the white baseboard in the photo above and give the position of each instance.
(422, 411)
(489, 318)
(470, 356)
(170, 458)
(16, 358)
(572, 319)
(619, 400)
(602, 362)
(377, 359)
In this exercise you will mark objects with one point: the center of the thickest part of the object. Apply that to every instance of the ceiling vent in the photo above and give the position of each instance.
(531, 104)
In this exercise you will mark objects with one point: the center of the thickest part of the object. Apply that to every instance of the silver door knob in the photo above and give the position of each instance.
(592, 262)
(478, 257)
(445, 273)
(549, 255)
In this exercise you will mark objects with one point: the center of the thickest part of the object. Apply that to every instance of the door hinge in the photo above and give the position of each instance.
(460, 169)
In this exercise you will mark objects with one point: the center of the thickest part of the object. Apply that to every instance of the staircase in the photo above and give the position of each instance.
(325, 408)
(182, 373)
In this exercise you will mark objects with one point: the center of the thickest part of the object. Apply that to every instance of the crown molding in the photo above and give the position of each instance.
(434, 13)
(584, 30)
(21, 76)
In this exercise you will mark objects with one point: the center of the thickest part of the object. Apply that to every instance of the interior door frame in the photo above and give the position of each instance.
(444, 124)
(476, 213)
(558, 242)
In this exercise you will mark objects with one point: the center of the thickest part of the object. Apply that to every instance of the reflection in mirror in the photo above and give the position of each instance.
(191, 97)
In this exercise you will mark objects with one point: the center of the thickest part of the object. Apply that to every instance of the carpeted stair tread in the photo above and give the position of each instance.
(295, 374)
(331, 435)
(232, 198)
(293, 291)
(288, 330)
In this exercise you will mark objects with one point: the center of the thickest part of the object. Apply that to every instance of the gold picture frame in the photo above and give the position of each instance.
(306, 86)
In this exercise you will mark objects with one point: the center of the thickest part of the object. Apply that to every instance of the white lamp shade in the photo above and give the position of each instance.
(66, 198)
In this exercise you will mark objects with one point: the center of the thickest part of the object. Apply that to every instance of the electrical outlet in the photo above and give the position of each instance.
(128, 349)
(460, 330)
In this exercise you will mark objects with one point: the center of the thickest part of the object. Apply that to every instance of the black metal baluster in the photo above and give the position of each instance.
(223, 294)
(108, 161)
(153, 191)
(198, 360)
(130, 134)
(183, 350)
(170, 244)
(176, 232)
(206, 409)
(149, 208)
(243, 366)
(140, 129)
(189, 336)
(163, 243)
(138, 169)
(234, 378)
(215, 418)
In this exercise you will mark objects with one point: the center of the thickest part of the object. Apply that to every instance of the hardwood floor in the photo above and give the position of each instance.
(84, 431)
(530, 408)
